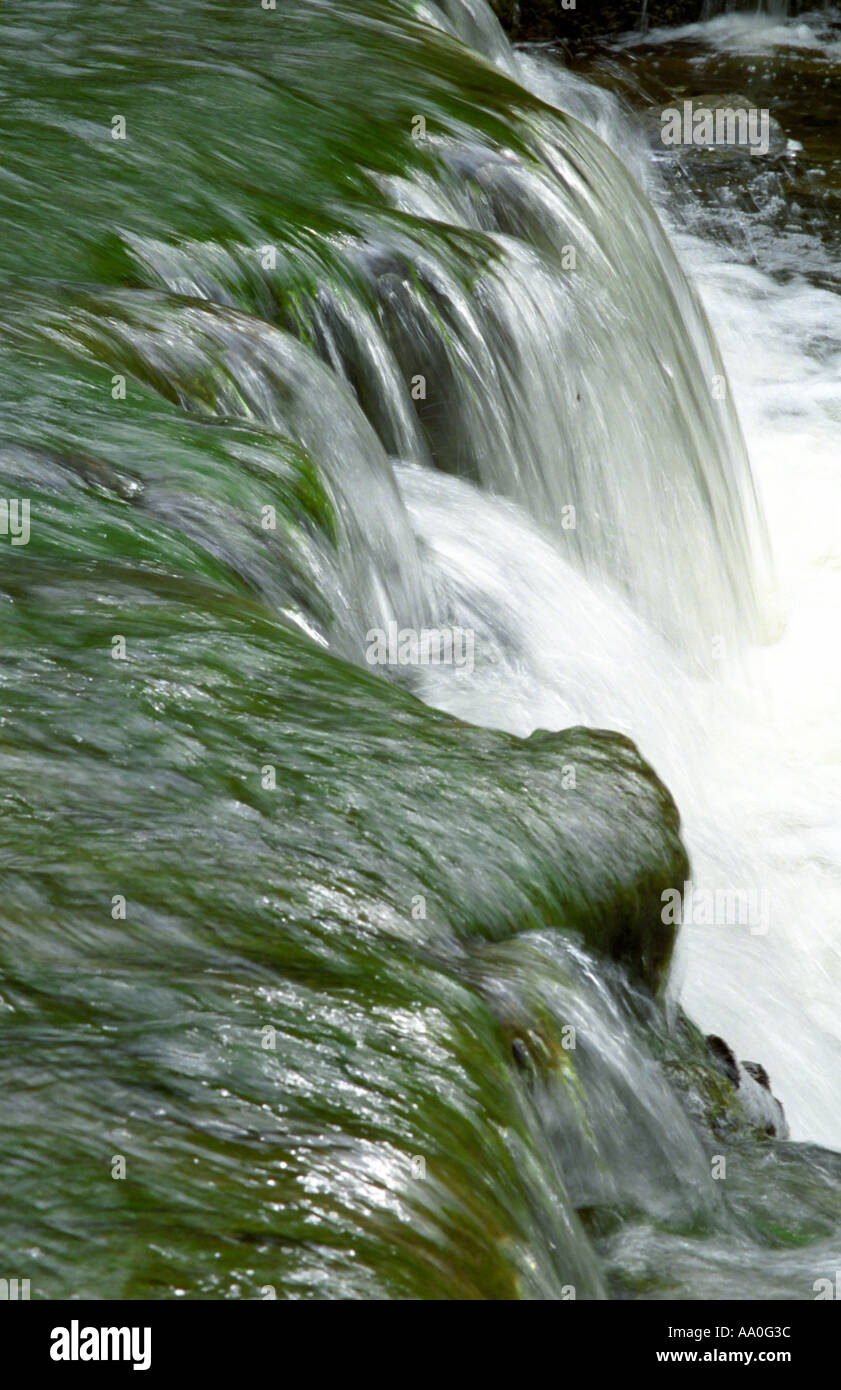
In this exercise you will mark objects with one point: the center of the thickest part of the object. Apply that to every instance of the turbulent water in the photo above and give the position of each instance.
(322, 979)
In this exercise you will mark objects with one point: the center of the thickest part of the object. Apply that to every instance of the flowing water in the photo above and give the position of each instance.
(328, 317)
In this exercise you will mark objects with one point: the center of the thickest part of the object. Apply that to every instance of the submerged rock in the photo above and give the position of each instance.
(729, 126)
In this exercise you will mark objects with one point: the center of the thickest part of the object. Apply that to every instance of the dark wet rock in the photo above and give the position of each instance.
(759, 1101)
(758, 1072)
(724, 1056)
(528, 20)
(753, 1084)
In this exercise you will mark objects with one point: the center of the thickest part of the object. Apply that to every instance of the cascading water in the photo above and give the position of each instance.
(404, 343)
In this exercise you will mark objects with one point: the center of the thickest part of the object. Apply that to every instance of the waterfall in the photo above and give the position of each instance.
(562, 348)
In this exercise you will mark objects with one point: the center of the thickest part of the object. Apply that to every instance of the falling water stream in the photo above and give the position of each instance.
(755, 768)
(337, 316)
